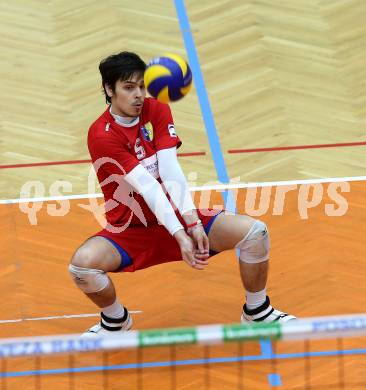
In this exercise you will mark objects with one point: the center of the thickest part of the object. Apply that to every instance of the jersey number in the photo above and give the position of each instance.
(139, 149)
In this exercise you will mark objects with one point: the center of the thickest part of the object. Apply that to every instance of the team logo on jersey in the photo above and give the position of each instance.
(171, 130)
(139, 149)
(147, 131)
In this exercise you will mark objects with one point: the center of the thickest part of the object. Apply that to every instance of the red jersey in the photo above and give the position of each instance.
(115, 150)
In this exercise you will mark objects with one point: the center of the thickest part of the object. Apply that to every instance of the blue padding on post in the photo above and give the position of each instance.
(266, 347)
(274, 379)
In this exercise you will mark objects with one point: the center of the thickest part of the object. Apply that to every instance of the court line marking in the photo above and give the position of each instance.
(232, 359)
(296, 147)
(68, 162)
(204, 102)
(213, 187)
(65, 316)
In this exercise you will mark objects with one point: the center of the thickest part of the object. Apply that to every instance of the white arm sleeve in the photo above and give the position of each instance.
(150, 189)
(174, 180)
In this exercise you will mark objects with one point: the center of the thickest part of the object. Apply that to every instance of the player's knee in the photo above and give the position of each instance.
(84, 257)
(254, 247)
(89, 280)
(85, 275)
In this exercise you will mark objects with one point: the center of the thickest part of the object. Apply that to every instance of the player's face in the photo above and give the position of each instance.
(129, 96)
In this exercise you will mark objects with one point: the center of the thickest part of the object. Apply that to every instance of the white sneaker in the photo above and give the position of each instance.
(264, 313)
(110, 325)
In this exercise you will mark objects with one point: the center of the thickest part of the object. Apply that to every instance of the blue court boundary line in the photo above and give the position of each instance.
(209, 121)
(208, 118)
(218, 360)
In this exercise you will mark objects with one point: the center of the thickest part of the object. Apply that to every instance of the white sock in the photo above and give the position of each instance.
(255, 299)
(115, 310)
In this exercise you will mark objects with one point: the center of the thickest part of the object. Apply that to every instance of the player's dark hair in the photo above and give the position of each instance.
(121, 66)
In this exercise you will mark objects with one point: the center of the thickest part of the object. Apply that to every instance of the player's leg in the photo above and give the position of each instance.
(226, 232)
(88, 268)
(251, 238)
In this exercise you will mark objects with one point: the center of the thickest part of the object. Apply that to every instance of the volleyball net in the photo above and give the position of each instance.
(313, 353)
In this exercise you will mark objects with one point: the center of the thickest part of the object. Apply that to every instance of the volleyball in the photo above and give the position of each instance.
(168, 78)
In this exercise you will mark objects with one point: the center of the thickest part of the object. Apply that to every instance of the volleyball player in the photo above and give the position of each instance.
(151, 218)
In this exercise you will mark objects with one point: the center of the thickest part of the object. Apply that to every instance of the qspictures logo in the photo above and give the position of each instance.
(122, 195)
(254, 200)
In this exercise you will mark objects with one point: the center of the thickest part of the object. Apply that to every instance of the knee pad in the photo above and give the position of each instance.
(254, 247)
(89, 280)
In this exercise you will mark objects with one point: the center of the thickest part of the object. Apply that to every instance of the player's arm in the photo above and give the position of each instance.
(166, 141)
(176, 185)
(120, 162)
(150, 189)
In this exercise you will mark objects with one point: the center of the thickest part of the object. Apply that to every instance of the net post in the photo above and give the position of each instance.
(37, 377)
(240, 365)
(206, 356)
(341, 370)
(105, 370)
(307, 363)
(71, 373)
(3, 373)
(273, 352)
(173, 366)
(140, 383)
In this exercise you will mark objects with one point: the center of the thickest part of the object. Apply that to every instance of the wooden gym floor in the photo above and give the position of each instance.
(285, 84)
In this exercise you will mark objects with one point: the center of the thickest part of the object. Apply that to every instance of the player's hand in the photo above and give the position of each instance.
(188, 251)
(201, 242)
